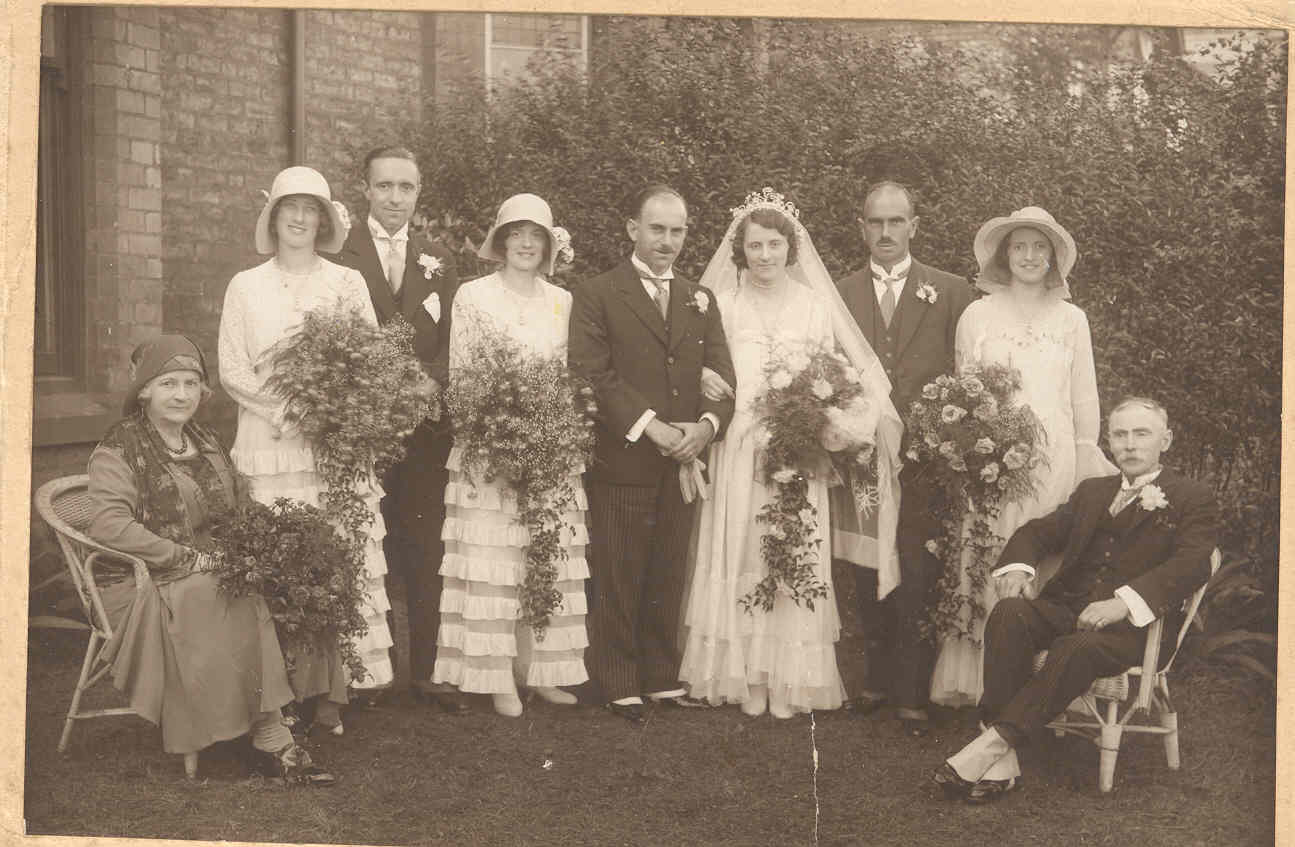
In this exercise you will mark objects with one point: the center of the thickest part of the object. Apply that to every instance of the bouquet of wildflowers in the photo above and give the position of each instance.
(980, 450)
(522, 418)
(310, 576)
(816, 416)
(356, 391)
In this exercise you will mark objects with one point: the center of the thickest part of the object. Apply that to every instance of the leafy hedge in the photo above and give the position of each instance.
(1171, 181)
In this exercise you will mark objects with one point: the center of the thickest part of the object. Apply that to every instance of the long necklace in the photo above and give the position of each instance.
(779, 301)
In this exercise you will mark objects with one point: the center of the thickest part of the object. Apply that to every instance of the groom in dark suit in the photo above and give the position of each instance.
(908, 311)
(641, 334)
(413, 277)
(1134, 546)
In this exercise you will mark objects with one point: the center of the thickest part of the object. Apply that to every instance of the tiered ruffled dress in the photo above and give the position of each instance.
(263, 306)
(482, 647)
(1054, 354)
(791, 648)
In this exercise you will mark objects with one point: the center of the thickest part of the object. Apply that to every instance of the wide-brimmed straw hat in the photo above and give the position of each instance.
(163, 354)
(521, 207)
(300, 180)
(994, 272)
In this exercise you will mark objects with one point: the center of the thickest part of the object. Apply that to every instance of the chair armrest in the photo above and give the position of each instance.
(142, 580)
(1150, 660)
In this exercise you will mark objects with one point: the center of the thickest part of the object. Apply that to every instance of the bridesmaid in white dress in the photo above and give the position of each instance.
(782, 660)
(1027, 322)
(263, 306)
(482, 647)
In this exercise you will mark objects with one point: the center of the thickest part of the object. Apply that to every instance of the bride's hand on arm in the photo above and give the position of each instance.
(714, 387)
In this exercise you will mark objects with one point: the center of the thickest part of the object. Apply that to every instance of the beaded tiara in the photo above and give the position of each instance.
(766, 198)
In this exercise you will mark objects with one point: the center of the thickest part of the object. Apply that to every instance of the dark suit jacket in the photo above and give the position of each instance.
(416, 486)
(619, 342)
(1164, 556)
(926, 330)
(431, 335)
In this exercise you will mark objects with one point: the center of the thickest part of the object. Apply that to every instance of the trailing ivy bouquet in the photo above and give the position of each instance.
(310, 576)
(979, 449)
(356, 391)
(523, 419)
(817, 421)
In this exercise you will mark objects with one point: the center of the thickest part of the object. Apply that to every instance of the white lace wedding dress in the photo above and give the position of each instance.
(791, 649)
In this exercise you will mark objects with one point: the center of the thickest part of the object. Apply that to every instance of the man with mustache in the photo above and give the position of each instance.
(641, 334)
(908, 311)
(1134, 546)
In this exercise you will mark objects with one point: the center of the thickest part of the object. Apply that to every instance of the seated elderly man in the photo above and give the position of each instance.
(1134, 546)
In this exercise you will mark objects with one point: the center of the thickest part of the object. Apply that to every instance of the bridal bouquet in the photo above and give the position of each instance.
(356, 391)
(310, 576)
(816, 417)
(522, 418)
(980, 450)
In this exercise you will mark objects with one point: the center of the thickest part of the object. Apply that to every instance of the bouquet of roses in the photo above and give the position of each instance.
(980, 450)
(310, 576)
(522, 418)
(815, 415)
(356, 391)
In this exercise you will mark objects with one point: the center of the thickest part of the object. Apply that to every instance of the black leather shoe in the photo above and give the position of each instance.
(989, 790)
(864, 704)
(953, 786)
(632, 712)
(450, 702)
(293, 765)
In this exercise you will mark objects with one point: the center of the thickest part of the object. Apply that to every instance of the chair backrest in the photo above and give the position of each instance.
(65, 505)
(1193, 603)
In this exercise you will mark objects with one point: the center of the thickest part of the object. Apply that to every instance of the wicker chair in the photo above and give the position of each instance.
(66, 506)
(1151, 702)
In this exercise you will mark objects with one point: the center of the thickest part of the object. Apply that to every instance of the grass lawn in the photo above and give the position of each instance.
(411, 775)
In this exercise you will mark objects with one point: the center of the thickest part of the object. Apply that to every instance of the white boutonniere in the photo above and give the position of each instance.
(927, 292)
(431, 266)
(1152, 498)
(433, 305)
(700, 302)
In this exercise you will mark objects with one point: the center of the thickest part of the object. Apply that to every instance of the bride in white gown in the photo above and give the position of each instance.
(772, 291)
(1027, 322)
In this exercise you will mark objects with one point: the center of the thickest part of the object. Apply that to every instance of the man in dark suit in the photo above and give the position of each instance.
(1134, 546)
(415, 278)
(641, 334)
(908, 311)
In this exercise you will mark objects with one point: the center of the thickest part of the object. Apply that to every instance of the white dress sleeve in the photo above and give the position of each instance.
(966, 338)
(237, 372)
(1085, 405)
(462, 310)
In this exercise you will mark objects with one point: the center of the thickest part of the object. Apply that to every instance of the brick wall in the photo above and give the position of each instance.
(123, 267)
(225, 135)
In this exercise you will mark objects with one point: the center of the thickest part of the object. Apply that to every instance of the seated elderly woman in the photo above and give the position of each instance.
(205, 666)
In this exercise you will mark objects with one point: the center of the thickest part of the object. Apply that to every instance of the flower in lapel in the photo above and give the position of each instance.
(1152, 497)
(431, 267)
(700, 302)
(927, 292)
(433, 305)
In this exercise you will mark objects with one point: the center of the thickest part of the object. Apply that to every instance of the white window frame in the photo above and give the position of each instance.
(490, 45)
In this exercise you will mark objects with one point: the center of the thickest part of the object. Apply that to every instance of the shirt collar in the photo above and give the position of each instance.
(1145, 479)
(379, 232)
(900, 269)
(645, 271)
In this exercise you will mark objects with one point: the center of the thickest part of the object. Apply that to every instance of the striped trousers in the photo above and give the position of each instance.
(638, 550)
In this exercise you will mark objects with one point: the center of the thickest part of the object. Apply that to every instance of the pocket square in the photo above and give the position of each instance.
(433, 306)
